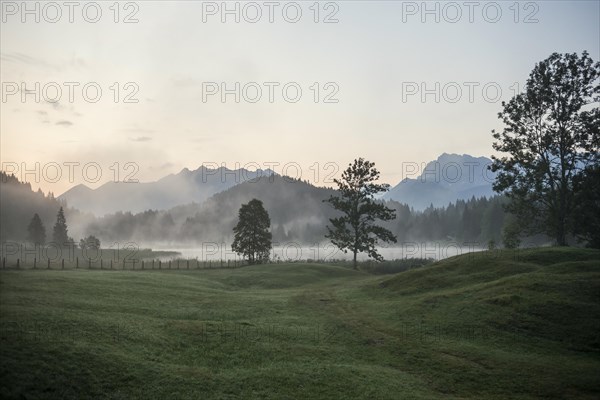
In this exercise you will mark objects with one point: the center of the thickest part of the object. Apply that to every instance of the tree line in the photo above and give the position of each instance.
(549, 174)
(548, 181)
(37, 233)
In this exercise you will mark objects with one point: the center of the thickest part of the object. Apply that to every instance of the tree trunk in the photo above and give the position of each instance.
(561, 231)
(565, 193)
(561, 238)
(354, 262)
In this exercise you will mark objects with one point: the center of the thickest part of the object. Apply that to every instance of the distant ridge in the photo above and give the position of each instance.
(449, 178)
(172, 190)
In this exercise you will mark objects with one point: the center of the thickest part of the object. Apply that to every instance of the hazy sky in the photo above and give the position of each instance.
(374, 61)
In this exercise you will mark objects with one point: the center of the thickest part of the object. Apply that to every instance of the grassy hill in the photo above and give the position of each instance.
(500, 325)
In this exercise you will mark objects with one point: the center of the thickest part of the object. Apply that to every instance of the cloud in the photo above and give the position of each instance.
(184, 82)
(25, 59)
(64, 123)
(141, 139)
(55, 105)
(137, 130)
(22, 58)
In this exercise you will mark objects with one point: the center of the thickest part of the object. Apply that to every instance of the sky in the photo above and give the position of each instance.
(317, 84)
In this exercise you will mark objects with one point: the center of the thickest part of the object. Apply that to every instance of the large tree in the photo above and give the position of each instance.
(252, 234)
(36, 230)
(59, 234)
(551, 134)
(356, 229)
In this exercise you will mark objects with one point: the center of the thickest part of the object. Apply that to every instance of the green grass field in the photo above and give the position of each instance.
(499, 325)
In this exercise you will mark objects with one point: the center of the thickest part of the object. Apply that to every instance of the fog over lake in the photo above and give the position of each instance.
(292, 251)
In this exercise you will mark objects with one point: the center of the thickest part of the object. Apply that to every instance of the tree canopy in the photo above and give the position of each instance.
(252, 234)
(356, 230)
(89, 243)
(551, 135)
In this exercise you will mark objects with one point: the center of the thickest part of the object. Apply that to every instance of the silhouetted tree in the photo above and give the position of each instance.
(18, 203)
(252, 234)
(356, 230)
(59, 234)
(90, 242)
(550, 134)
(36, 230)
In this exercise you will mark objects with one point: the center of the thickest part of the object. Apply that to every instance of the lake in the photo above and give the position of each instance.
(292, 251)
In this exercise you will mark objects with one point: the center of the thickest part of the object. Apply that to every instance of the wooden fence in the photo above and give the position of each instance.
(129, 264)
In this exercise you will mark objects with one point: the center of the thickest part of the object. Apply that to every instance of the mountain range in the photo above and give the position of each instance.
(172, 190)
(449, 178)
(202, 205)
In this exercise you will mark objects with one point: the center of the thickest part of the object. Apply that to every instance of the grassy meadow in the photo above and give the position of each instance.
(489, 325)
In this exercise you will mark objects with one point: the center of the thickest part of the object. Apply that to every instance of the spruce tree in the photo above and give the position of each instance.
(59, 234)
(36, 230)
